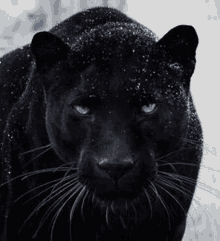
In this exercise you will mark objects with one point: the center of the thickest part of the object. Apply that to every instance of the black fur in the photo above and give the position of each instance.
(100, 139)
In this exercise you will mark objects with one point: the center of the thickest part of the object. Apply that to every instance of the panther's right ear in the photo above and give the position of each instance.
(181, 43)
(47, 49)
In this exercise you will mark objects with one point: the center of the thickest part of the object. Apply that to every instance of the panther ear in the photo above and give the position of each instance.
(180, 43)
(48, 49)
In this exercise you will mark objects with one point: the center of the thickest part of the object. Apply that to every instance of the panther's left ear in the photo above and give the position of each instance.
(47, 49)
(181, 43)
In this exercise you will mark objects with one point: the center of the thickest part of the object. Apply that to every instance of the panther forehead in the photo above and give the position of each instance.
(122, 83)
(109, 32)
(110, 43)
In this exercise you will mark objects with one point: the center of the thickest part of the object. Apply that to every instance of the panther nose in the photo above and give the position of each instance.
(116, 168)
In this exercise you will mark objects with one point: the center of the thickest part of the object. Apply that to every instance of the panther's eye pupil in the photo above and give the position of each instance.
(83, 110)
(148, 108)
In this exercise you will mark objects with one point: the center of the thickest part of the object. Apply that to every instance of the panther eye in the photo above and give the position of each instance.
(82, 110)
(147, 109)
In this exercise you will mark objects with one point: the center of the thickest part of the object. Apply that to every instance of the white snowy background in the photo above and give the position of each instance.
(17, 29)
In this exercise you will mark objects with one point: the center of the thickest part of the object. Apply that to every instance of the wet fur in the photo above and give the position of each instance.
(116, 173)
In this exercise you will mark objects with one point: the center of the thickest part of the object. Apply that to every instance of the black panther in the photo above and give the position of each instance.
(100, 138)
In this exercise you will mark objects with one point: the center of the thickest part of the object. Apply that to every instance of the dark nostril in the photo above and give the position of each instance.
(116, 169)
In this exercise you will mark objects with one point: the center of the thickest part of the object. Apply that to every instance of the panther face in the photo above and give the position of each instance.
(113, 125)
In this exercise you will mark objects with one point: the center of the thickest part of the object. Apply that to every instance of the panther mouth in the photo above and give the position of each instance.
(120, 204)
(120, 191)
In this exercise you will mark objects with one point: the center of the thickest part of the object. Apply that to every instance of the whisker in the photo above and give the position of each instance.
(171, 153)
(123, 222)
(73, 178)
(183, 190)
(174, 198)
(179, 163)
(106, 215)
(172, 184)
(82, 205)
(32, 159)
(149, 201)
(76, 201)
(68, 170)
(41, 153)
(56, 193)
(68, 166)
(194, 142)
(153, 187)
(36, 188)
(178, 177)
(32, 173)
(191, 181)
(198, 143)
(45, 201)
(55, 204)
(35, 149)
(186, 164)
(112, 207)
(74, 190)
(47, 189)
(208, 215)
(135, 212)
